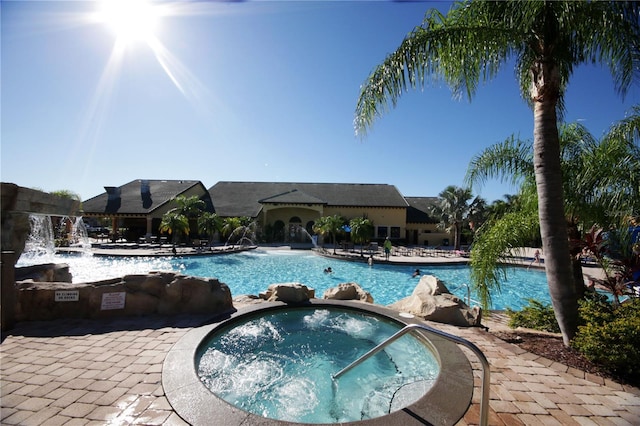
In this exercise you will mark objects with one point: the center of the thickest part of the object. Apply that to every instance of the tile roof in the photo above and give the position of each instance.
(244, 198)
(293, 197)
(418, 210)
(140, 196)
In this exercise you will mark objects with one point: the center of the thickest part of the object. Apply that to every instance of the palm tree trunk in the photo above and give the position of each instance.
(553, 226)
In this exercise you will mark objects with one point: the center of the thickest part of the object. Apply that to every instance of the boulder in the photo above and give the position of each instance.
(288, 293)
(47, 272)
(152, 284)
(201, 295)
(432, 301)
(348, 291)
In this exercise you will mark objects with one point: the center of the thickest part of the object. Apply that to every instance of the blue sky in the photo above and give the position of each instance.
(246, 91)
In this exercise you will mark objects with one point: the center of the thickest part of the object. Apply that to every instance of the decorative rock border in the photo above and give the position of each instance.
(132, 295)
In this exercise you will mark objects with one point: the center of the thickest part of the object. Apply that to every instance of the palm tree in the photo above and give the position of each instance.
(595, 173)
(189, 207)
(361, 231)
(321, 227)
(335, 224)
(229, 226)
(612, 171)
(499, 208)
(209, 224)
(478, 213)
(175, 224)
(330, 225)
(452, 210)
(547, 40)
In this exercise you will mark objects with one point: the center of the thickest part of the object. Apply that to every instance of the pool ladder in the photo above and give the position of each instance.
(469, 300)
(484, 402)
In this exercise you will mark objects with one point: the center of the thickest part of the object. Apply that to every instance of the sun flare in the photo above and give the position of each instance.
(130, 20)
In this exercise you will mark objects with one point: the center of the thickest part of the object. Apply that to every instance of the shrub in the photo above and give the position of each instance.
(537, 316)
(610, 336)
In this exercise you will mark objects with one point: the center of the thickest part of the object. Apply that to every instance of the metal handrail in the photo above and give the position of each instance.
(468, 292)
(486, 380)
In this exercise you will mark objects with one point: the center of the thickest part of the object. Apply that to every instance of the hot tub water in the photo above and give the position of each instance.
(280, 365)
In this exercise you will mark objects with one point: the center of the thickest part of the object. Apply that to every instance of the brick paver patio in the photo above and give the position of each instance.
(96, 372)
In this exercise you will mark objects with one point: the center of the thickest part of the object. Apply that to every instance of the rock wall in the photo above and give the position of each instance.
(132, 295)
(17, 203)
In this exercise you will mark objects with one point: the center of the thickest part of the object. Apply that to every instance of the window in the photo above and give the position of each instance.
(309, 227)
(382, 232)
(395, 232)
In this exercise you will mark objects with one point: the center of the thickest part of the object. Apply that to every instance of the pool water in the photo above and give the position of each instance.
(280, 366)
(251, 272)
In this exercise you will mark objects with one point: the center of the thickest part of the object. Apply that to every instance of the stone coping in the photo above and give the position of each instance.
(445, 403)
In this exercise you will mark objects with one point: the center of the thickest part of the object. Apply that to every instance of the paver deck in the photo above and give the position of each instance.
(96, 372)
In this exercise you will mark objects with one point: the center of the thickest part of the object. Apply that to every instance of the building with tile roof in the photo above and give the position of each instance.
(139, 205)
(283, 211)
(283, 207)
(422, 228)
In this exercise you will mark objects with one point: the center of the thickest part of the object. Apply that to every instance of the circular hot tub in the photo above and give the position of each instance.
(276, 363)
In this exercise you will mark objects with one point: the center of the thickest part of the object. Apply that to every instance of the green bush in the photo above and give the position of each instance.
(537, 316)
(610, 336)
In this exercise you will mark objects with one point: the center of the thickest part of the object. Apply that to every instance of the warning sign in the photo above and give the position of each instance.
(113, 301)
(67, 296)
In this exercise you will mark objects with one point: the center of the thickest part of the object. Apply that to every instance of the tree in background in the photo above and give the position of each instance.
(361, 231)
(189, 207)
(175, 224)
(65, 193)
(452, 210)
(547, 40)
(330, 225)
(208, 224)
(229, 226)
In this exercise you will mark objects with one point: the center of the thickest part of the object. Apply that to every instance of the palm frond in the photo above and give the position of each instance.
(495, 242)
(511, 161)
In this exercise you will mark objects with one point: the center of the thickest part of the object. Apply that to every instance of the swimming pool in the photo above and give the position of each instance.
(251, 272)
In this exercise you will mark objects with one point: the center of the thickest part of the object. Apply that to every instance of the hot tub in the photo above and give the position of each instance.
(237, 371)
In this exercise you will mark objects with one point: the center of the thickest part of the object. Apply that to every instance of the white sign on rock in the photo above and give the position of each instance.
(113, 300)
(67, 296)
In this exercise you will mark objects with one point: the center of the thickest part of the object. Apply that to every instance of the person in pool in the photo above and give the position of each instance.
(328, 270)
(416, 273)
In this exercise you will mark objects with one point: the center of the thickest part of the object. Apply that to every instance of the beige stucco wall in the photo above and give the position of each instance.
(271, 214)
(429, 234)
(380, 216)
